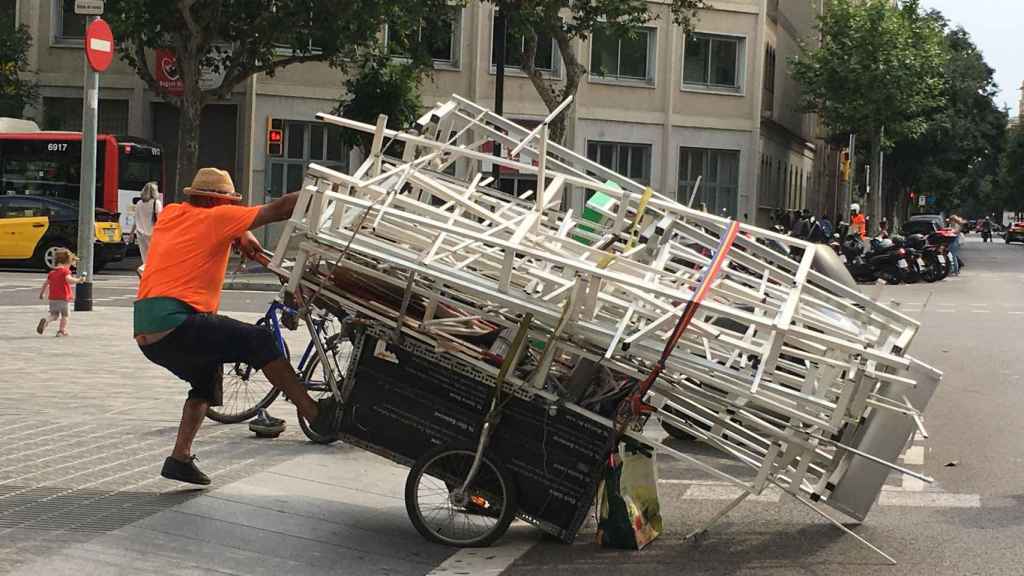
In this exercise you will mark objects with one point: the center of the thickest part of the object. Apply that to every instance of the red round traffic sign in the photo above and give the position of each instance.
(99, 45)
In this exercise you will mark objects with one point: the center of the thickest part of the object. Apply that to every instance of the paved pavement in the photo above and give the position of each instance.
(86, 423)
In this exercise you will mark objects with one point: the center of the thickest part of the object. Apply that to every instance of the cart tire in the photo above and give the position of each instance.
(317, 390)
(246, 392)
(428, 501)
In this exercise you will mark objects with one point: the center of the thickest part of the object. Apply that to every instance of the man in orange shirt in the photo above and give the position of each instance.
(176, 320)
(857, 221)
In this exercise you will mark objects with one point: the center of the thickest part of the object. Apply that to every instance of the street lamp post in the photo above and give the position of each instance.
(500, 31)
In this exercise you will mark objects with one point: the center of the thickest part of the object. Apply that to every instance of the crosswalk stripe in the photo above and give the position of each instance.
(911, 494)
(725, 492)
(929, 499)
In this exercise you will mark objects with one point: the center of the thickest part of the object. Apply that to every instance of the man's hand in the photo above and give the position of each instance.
(248, 245)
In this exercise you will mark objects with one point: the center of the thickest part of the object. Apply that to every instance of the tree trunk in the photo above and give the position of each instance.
(875, 209)
(189, 117)
(188, 141)
(548, 92)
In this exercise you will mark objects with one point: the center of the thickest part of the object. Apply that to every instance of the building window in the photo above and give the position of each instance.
(631, 160)
(305, 142)
(518, 184)
(441, 39)
(70, 26)
(617, 57)
(719, 171)
(66, 114)
(713, 62)
(9, 12)
(768, 96)
(546, 59)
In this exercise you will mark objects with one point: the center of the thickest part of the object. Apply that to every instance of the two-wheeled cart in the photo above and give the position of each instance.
(483, 447)
(629, 304)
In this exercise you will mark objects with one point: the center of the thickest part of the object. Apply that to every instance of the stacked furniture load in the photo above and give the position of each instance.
(726, 332)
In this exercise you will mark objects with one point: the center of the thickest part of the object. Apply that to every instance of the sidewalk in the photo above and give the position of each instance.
(88, 422)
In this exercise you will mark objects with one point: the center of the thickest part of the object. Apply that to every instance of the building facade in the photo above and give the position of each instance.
(664, 108)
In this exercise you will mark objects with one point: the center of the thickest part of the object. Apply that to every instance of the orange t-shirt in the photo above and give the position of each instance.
(857, 222)
(188, 253)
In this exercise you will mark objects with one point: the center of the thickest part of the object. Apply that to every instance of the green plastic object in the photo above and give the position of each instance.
(597, 209)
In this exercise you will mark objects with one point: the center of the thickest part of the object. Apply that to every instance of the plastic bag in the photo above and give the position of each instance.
(629, 511)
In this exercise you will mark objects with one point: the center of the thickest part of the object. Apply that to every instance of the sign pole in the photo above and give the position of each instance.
(87, 185)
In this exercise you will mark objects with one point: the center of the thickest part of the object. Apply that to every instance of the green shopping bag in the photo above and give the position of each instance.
(629, 512)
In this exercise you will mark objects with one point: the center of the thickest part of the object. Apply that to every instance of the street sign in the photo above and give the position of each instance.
(922, 200)
(89, 7)
(99, 45)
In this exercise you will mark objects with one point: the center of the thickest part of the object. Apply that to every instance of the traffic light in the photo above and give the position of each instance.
(275, 136)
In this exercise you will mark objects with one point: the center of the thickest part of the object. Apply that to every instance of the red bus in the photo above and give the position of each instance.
(42, 163)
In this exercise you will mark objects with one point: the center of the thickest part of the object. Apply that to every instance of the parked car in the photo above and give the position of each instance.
(939, 221)
(34, 228)
(1015, 233)
(921, 226)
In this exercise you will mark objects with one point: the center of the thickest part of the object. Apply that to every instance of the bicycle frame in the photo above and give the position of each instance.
(272, 317)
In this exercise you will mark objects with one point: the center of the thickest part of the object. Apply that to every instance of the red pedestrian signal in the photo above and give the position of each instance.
(275, 137)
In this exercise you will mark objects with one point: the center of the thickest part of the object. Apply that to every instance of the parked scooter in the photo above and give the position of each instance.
(883, 261)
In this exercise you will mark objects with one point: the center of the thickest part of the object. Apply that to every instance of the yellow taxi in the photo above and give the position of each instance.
(34, 228)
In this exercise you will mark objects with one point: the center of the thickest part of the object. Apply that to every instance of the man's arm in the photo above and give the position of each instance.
(277, 211)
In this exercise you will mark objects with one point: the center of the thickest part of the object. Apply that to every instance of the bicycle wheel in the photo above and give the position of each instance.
(246, 392)
(314, 378)
(441, 514)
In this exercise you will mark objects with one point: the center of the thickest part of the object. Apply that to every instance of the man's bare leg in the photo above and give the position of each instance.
(192, 416)
(283, 376)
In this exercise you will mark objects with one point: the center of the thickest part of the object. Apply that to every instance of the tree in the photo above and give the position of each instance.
(382, 85)
(877, 71)
(240, 38)
(567, 20)
(1012, 170)
(957, 156)
(16, 93)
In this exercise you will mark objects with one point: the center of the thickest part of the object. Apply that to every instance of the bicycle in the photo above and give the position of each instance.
(246, 391)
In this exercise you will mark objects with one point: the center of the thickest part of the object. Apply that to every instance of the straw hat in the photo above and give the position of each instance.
(213, 183)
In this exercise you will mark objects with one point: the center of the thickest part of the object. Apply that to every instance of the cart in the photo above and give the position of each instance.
(483, 448)
(505, 345)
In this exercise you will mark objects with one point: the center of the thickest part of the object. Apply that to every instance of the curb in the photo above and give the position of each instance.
(253, 286)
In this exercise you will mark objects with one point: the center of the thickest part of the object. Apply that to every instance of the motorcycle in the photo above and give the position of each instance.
(883, 261)
(932, 258)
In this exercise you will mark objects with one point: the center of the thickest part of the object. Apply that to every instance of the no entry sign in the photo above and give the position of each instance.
(99, 45)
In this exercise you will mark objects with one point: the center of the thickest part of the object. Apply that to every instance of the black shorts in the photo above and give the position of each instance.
(197, 350)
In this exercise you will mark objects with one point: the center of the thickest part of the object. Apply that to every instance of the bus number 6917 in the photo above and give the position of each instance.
(57, 147)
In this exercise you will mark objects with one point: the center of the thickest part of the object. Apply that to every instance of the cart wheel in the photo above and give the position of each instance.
(474, 519)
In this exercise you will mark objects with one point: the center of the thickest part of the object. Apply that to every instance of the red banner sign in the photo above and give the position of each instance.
(167, 75)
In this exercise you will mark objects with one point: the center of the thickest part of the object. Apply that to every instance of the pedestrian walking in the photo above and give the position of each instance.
(956, 223)
(58, 286)
(176, 321)
(146, 211)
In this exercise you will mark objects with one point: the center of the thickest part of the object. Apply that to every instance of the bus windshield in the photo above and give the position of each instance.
(138, 169)
(43, 168)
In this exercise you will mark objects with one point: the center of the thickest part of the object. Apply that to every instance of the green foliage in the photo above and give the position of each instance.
(1012, 170)
(382, 85)
(244, 37)
(877, 65)
(240, 38)
(16, 93)
(577, 19)
(568, 20)
(957, 156)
